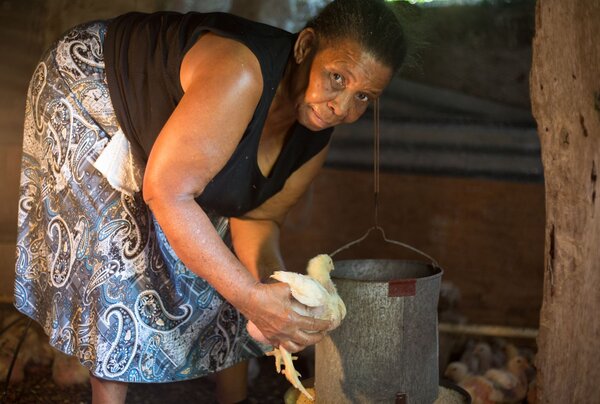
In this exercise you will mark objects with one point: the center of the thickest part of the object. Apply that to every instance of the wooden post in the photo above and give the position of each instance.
(565, 94)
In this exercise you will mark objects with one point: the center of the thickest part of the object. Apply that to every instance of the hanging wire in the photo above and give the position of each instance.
(376, 166)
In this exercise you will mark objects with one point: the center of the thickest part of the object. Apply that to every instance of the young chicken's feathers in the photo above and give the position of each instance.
(318, 293)
(511, 381)
(304, 289)
(481, 390)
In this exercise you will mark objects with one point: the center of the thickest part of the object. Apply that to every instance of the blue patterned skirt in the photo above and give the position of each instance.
(93, 266)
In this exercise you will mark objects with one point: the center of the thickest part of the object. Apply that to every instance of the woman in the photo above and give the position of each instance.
(161, 154)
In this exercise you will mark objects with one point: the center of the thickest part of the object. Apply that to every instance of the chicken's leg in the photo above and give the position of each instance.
(282, 356)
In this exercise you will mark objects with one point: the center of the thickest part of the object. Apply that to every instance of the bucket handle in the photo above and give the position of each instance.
(376, 197)
(380, 229)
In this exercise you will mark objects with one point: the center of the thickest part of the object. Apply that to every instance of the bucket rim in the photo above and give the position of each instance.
(439, 271)
(455, 387)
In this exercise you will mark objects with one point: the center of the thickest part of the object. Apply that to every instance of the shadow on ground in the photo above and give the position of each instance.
(38, 386)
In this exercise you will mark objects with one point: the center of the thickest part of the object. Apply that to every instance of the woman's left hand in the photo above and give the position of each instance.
(271, 311)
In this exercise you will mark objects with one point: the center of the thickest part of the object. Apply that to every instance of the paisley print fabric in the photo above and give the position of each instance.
(93, 266)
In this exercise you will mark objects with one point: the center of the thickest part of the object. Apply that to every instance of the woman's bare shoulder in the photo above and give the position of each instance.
(213, 56)
(222, 86)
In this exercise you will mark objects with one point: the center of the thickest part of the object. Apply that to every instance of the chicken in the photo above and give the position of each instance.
(477, 357)
(512, 381)
(315, 290)
(481, 390)
(457, 371)
(511, 351)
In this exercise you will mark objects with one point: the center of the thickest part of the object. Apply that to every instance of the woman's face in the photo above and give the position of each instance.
(339, 84)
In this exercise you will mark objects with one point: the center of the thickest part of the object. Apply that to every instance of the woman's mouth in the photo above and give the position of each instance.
(320, 122)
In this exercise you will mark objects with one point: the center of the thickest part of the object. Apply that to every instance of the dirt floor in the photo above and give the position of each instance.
(39, 387)
(37, 383)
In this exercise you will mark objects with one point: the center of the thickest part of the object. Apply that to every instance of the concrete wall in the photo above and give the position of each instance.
(487, 235)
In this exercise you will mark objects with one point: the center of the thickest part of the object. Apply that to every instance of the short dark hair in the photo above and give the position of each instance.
(371, 23)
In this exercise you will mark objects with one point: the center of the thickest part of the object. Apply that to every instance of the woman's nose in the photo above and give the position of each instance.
(340, 106)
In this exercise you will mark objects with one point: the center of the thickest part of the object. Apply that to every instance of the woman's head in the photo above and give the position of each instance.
(370, 23)
(346, 57)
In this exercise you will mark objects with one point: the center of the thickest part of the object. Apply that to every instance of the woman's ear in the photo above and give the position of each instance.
(305, 44)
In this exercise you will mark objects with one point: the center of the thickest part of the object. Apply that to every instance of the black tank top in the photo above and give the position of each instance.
(143, 55)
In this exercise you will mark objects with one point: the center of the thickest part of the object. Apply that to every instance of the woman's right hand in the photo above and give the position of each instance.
(274, 312)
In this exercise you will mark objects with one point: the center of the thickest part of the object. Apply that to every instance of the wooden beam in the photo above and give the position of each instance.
(565, 94)
(488, 330)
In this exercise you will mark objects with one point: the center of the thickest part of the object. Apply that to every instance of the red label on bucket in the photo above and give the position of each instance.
(402, 287)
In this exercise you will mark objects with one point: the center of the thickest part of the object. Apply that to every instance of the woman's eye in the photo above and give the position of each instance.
(362, 97)
(338, 79)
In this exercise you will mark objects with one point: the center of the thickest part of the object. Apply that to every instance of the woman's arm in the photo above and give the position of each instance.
(256, 244)
(222, 83)
(195, 143)
(256, 235)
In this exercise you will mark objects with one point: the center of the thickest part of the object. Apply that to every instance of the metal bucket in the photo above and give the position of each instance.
(386, 349)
